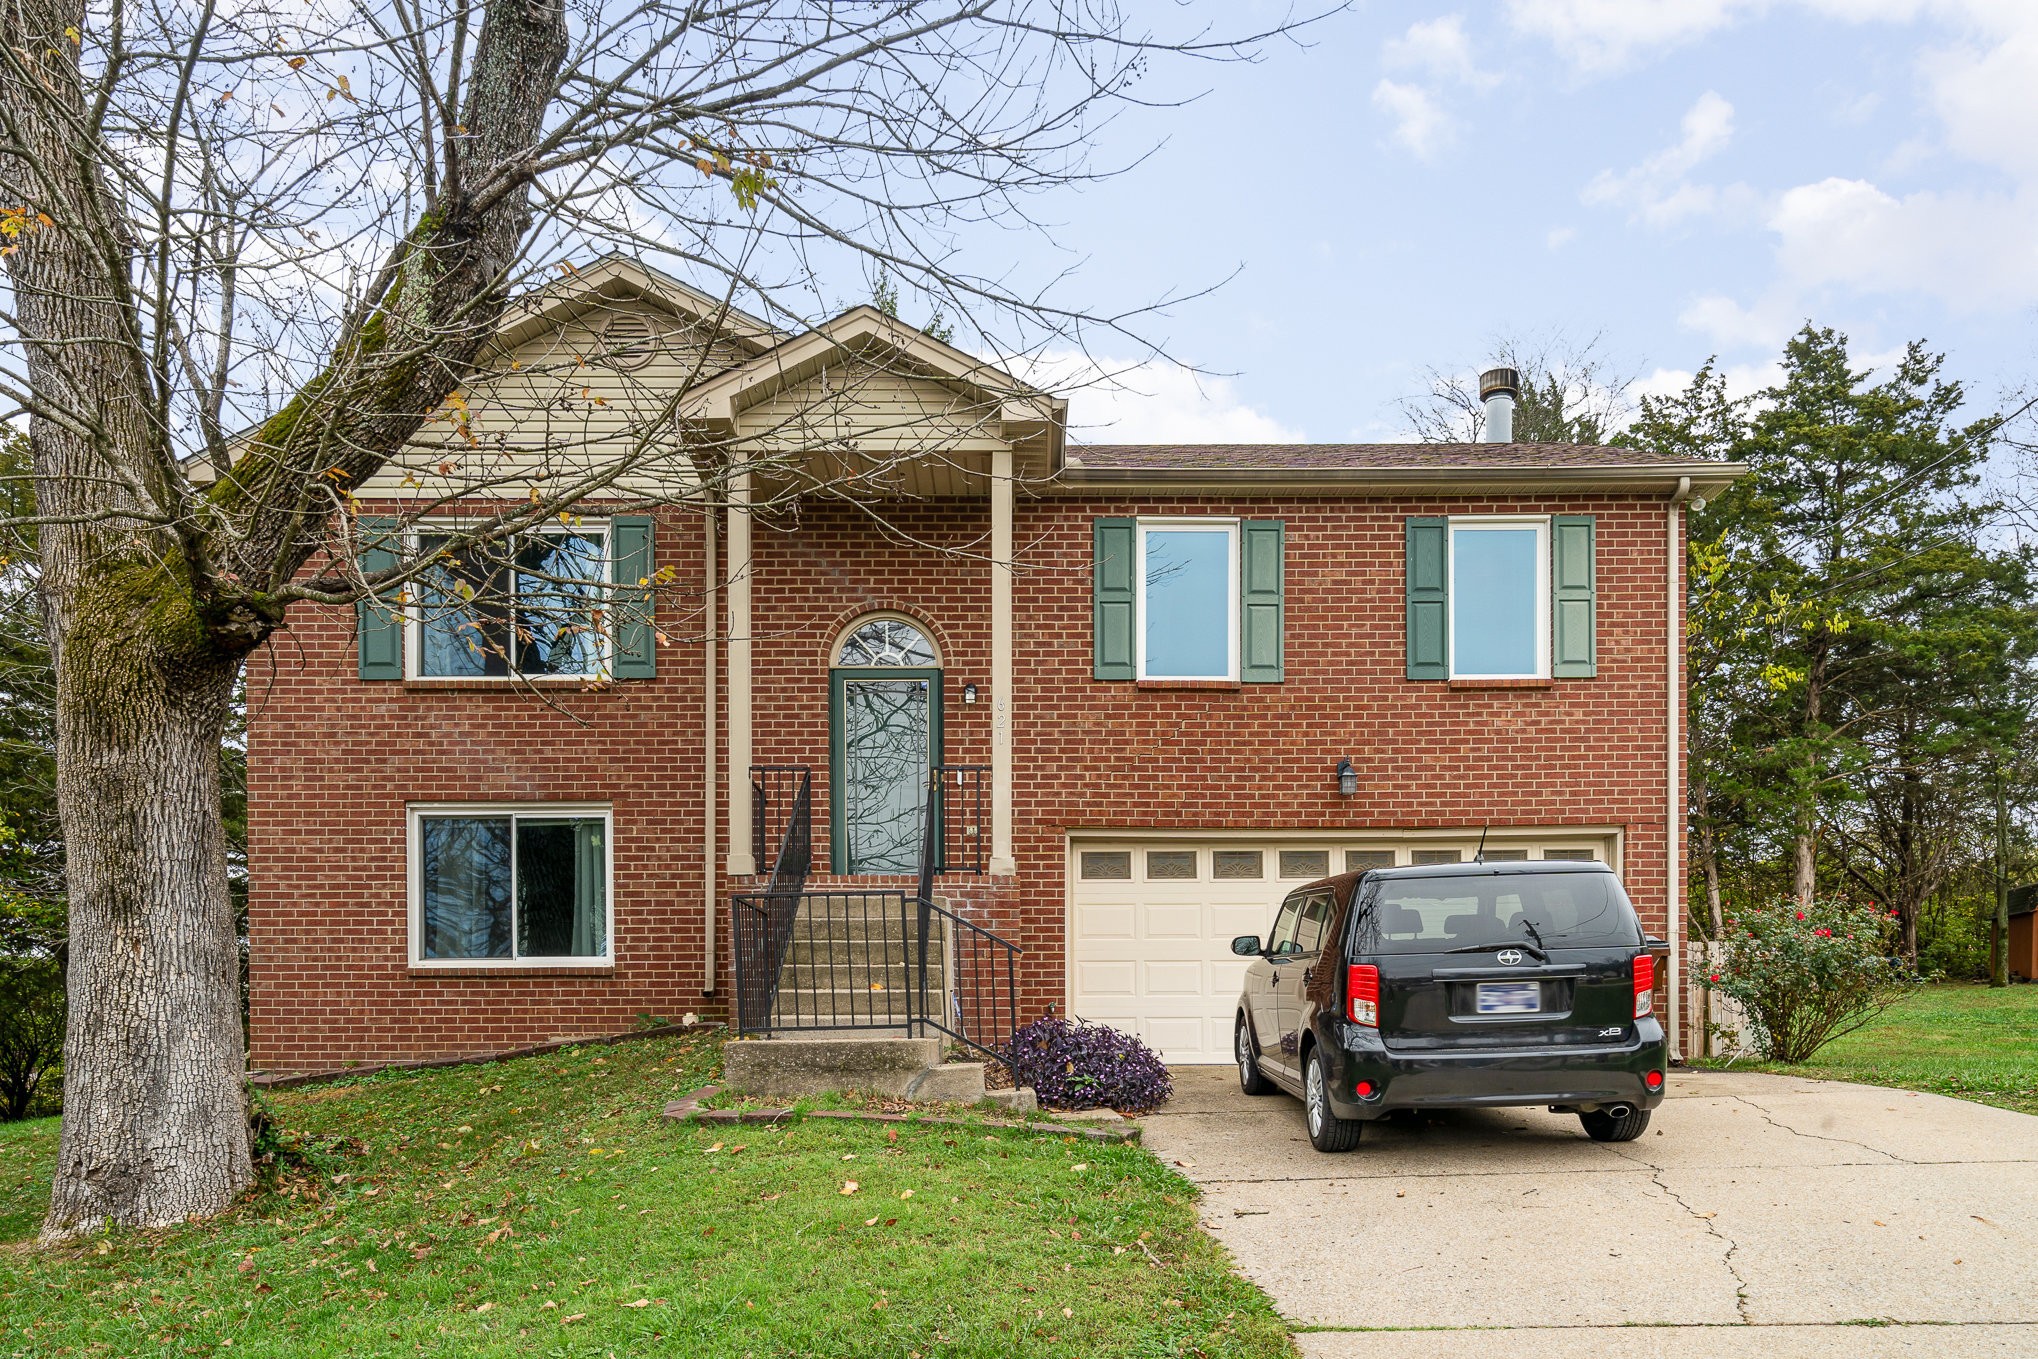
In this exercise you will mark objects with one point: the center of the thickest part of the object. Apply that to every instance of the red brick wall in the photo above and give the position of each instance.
(333, 761)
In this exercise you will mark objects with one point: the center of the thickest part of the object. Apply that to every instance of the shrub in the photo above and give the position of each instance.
(1806, 974)
(1088, 1066)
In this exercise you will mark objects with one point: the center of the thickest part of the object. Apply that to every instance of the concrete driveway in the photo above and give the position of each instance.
(1759, 1216)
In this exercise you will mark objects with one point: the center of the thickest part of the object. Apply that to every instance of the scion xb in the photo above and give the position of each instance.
(1455, 986)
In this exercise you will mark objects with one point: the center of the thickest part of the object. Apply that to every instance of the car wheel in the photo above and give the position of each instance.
(1602, 1126)
(1249, 1078)
(1327, 1132)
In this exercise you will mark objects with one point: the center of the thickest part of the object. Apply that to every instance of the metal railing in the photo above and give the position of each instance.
(844, 962)
(979, 1016)
(961, 818)
(774, 791)
(979, 993)
(762, 927)
(847, 959)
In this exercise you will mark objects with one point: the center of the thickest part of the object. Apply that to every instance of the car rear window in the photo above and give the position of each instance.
(1435, 915)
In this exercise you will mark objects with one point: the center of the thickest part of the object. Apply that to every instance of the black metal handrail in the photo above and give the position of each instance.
(961, 818)
(843, 962)
(970, 1012)
(762, 924)
(980, 1005)
(774, 789)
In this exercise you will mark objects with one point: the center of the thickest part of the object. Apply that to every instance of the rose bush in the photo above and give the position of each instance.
(1088, 1066)
(1807, 973)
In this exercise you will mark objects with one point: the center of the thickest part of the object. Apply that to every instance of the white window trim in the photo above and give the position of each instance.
(413, 617)
(1474, 524)
(1203, 524)
(414, 895)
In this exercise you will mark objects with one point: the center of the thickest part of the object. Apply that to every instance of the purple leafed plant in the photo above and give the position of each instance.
(1088, 1066)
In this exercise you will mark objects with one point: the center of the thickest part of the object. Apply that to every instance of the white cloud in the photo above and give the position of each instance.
(1658, 191)
(1115, 401)
(1420, 123)
(1601, 36)
(1728, 324)
(1987, 98)
(1439, 49)
(1559, 237)
(1974, 251)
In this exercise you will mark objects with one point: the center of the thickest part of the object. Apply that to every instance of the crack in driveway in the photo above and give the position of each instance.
(1710, 1221)
(1772, 1121)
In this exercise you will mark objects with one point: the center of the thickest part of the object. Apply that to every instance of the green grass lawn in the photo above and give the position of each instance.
(1955, 1038)
(542, 1207)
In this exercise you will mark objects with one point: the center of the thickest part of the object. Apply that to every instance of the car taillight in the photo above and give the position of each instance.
(1362, 995)
(1645, 984)
(1654, 1081)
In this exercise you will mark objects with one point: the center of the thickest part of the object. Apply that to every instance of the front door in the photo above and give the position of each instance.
(887, 737)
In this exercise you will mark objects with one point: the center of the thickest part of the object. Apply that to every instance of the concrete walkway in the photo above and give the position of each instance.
(1759, 1216)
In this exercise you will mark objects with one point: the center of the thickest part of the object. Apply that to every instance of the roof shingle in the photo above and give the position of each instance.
(1358, 457)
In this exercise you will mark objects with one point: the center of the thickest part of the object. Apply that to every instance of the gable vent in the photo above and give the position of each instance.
(627, 341)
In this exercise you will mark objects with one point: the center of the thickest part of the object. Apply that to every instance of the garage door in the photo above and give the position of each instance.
(1151, 921)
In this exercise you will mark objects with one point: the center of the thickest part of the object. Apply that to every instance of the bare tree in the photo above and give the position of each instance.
(260, 253)
(1570, 394)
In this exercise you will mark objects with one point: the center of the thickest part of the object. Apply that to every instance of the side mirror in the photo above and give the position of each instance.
(1247, 946)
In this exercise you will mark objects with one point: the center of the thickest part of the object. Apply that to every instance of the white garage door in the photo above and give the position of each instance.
(1151, 921)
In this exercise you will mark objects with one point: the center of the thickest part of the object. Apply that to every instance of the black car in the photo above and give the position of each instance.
(1455, 986)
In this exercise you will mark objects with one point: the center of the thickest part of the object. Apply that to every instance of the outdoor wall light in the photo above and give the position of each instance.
(1347, 777)
(969, 693)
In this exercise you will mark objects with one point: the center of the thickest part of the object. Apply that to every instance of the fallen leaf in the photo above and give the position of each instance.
(870, 1222)
(1080, 1165)
(905, 1193)
(577, 1316)
(849, 1187)
(641, 1302)
(486, 1306)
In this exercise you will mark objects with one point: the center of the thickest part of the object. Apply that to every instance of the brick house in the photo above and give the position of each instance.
(1165, 685)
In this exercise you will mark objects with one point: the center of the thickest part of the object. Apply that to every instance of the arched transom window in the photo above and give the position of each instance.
(887, 643)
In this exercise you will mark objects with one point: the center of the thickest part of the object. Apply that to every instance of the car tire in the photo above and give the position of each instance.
(1249, 1078)
(1327, 1132)
(1601, 1126)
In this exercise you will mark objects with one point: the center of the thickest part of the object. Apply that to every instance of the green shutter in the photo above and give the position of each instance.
(378, 624)
(634, 607)
(1114, 544)
(1429, 593)
(1574, 651)
(1262, 549)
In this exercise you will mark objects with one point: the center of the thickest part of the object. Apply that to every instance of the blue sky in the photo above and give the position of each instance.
(1683, 178)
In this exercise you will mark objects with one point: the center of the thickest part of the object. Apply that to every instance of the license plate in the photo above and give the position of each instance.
(1510, 998)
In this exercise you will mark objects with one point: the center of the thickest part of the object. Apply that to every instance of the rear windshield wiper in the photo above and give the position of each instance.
(1531, 949)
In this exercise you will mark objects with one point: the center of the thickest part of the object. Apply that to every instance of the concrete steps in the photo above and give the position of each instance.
(819, 1063)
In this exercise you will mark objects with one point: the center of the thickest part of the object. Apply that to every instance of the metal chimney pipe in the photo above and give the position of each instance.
(1498, 388)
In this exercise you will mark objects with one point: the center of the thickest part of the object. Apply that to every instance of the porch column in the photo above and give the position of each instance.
(741, 860)
(1002, 861)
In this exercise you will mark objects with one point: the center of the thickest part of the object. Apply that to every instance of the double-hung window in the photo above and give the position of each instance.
(1502, 597)
(533, 606)
(502, 886)
(567, 601)
(1186, 600)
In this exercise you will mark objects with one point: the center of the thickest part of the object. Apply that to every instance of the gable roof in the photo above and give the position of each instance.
(619, 278)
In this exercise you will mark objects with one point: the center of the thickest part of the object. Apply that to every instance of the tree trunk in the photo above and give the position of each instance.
(153, 592)
(155, 1118)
